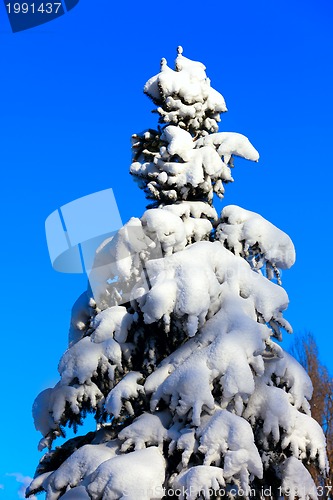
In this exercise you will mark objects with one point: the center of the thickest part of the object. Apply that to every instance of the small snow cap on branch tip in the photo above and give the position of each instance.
(179, 49)
(164, 62)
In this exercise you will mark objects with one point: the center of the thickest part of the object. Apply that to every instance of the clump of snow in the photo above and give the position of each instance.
(112, 322)
(120, 395)
(184, 165)
(306, 440)
(169, 229)
(297, 482)
(285, 423)
(77, 467)
(230, 436)
(291, 374)
(179, 286)
(52, 404)
(184, 439)
(83, 359)
(139, 474)
(271, 404)
(146, 430)
(199, 480)
(188, 388)
(228, 144)
(243, 232)
(41, 413)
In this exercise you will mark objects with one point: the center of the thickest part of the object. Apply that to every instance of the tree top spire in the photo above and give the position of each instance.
(186, 158)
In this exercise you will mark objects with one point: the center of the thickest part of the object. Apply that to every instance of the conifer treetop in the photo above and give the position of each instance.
(186, 158)
(184, 96)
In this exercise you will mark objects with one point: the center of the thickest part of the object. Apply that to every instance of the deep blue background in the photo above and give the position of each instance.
(71, 96)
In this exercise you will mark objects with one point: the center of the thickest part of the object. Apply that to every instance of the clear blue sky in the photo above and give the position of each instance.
(71, 96)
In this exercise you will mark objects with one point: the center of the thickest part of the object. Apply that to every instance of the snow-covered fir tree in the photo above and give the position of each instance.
(176, 354)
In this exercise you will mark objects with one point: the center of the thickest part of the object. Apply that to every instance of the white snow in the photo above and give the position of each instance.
(136, 475)
(167, 227)
(231, 436)
(289, 372)
(78, 466)
(179, 142)
(49, 406)
(192, 155)
(120, 395)
(180, 286)
(112, 322)
(82, 360)
(229, 143)
(146, 430)
(286, 424)
(242, 229)
(198, 480)
(297, 482)
(185, 95)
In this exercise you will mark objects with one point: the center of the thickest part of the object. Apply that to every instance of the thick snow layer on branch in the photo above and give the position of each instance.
(188, 388)
(83, 359)
(41, 412)
(197, 481)
(146, 430)
(297, 482)
(78, 466)
(120, 395)
(112, 322)
(229, 436)
(242, 230)
(180, 286)
(119, 261)
(272, 406)
(185, 166)
(49, 406)
(231, 357)
(168, 228)
(136, 475)
(193, 209)
(306, 439)
(291, 374)
(284, 422)
(179, 142)
(228, 144)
